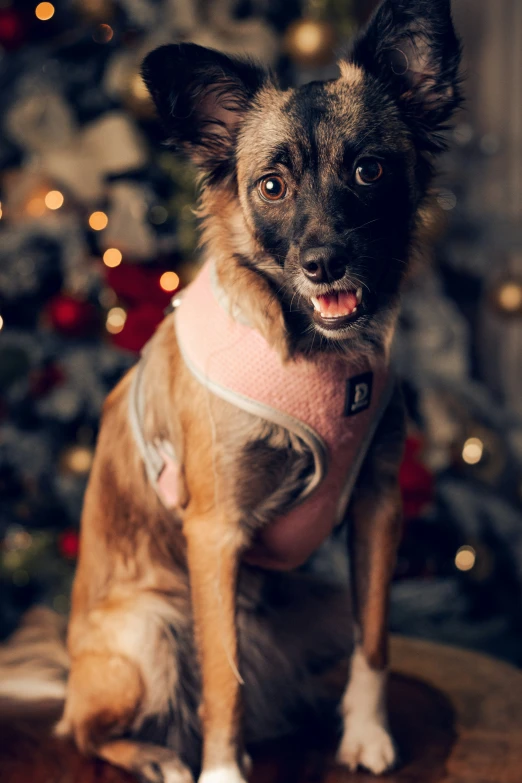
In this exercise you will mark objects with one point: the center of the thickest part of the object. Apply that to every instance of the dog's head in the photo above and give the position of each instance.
(319, 189)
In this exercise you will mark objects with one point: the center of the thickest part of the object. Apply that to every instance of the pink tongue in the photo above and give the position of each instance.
(335, 305)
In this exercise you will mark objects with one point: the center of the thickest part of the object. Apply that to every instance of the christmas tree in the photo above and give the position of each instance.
(97, 234)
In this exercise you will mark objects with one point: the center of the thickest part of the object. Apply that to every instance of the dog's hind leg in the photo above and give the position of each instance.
(124, 671)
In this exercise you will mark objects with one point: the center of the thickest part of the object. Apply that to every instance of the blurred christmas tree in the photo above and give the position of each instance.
(97, 232)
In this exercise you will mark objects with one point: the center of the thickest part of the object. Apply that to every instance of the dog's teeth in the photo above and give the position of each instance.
(316, 304)
(358, 295)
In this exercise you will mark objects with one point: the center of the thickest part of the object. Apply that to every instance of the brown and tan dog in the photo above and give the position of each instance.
(181, 645)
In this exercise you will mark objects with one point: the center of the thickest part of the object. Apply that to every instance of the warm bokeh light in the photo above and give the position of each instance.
(1, 323)
(112, 257)
(54, 199)
(103, 33)
(1, 213)
(465, 558)
(36, 207)
(472, 451)
(79, 459)
(308, 37)
(116, 318)
(44, 11)
(510, 297)
(169, 281)
(98, 221)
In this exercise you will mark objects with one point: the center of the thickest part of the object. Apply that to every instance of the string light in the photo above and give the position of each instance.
(1, 323)
(116, 318)
(169, 281)
(510, 296)
(465, 558)
(98, 221)
(472, 451)
(54, 199)
(103, 33)
(1, 213)
(78, 459)
(112, 257)
(44, 11)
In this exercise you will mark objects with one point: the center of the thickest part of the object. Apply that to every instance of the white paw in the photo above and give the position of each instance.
(225, 774)
(367, 745)
(166, 772)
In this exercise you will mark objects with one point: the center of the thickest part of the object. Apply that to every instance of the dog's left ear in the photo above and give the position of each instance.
(411, 47)
(201, 96)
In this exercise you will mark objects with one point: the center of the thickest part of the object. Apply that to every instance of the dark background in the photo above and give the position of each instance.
(78, 137)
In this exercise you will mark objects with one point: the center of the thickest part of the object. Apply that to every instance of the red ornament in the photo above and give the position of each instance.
(73, 316)
(69, 544)
(136, 284)
(140, 325)
(415, 480)
(12, 28)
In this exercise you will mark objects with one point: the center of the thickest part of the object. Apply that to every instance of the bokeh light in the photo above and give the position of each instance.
(510, 297)
(169, 281)
(54, 199)
(98, 221)
(36, 207)
(116, 318)
(472, 451)
(112, 257)
(44, 11)
(103, 33)
(465, 558)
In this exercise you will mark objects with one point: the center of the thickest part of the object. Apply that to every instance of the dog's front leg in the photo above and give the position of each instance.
(374, 535)
(213, 550)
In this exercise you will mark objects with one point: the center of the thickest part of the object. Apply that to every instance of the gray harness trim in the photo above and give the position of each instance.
(150, 451)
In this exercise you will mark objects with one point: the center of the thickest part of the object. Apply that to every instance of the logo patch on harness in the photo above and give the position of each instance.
(358, 394)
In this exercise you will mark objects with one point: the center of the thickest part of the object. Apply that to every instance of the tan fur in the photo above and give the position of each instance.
(350, 72)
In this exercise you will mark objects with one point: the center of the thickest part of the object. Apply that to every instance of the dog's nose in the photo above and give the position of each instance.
(323, 264)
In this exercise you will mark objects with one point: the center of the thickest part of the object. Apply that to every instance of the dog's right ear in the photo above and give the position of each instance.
(201, 96)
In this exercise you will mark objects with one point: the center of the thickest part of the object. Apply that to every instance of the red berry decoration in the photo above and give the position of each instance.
(73, 316)
(69, 544)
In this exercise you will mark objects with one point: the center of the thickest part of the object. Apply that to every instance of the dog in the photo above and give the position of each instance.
(257, 443)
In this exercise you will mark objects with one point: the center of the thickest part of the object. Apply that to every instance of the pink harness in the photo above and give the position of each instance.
(332, 405)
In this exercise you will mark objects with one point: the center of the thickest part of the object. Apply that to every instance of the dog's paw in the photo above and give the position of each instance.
(368, 745)
(225, 774)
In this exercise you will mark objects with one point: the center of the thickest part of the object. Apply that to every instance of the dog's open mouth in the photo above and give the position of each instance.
(337, 309)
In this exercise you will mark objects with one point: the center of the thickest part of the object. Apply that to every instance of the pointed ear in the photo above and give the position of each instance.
(411, 47)
(201, 96)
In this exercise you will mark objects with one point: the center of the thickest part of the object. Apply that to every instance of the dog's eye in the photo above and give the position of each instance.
(272, 188)
(368, 171)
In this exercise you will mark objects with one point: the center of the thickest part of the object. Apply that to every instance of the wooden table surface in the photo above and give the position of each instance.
(457, 718)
